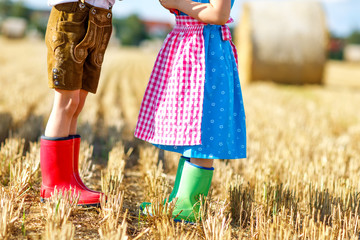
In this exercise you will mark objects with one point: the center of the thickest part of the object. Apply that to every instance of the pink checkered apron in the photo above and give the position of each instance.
(172, 107)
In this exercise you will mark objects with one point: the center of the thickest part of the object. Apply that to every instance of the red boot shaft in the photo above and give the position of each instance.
(57, 169)
(77, 141)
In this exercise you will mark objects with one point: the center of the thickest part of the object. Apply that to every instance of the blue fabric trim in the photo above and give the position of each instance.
(197, 166)
(186, 158)
(56, 138)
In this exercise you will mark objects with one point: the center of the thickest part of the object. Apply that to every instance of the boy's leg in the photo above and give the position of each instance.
(74, 63)
(82, 97)
(65, 106)
(59, 158)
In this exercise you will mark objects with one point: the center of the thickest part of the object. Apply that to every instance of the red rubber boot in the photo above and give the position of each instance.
(77, 141)
(57, 169)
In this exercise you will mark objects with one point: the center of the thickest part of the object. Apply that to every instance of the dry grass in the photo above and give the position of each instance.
(300, 180)
(112, 213)
(10, 209)
(57, 213)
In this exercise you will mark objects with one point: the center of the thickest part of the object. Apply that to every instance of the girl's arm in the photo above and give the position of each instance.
(216, 12)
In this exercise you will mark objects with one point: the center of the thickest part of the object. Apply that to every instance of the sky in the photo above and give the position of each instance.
(343, 16)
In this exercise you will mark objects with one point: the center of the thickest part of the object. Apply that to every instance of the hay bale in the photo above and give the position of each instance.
(14, 27)
(352, 53)
(282, 41)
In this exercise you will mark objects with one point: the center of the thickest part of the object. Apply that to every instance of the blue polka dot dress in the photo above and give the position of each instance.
(223, 128)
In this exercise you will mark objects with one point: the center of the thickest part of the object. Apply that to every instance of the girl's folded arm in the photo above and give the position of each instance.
(216, 12)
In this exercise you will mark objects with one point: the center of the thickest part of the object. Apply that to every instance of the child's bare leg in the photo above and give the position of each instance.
(73, 125)
(207, 163)
(65, 105)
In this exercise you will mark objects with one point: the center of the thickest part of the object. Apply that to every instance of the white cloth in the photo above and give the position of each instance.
(97, 3)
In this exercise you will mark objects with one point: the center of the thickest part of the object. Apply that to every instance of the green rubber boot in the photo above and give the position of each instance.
(195, 181)
(146, 205)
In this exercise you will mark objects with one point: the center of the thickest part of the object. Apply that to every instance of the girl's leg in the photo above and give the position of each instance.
(207, 163)
(192, 179)
(195, 181)
(65, 105)
(82, 98)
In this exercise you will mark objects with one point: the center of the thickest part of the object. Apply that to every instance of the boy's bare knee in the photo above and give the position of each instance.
(72, 105)
(67, 102)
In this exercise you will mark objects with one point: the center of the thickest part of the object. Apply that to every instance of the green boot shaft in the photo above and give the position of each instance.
(195, 181)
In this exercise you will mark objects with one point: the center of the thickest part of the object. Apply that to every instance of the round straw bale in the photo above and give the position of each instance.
(282, 41)
(352, 53)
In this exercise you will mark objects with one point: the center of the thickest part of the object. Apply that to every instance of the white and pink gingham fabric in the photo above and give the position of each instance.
(171, 111)
(172, 107)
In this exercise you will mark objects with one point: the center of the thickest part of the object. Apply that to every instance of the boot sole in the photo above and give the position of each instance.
(187, 222)
(97, 205)
(175, 220)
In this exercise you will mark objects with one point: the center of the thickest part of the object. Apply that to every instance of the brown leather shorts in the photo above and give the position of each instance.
(77, 36)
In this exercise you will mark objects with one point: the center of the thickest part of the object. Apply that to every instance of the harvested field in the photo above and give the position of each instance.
(300, 180)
